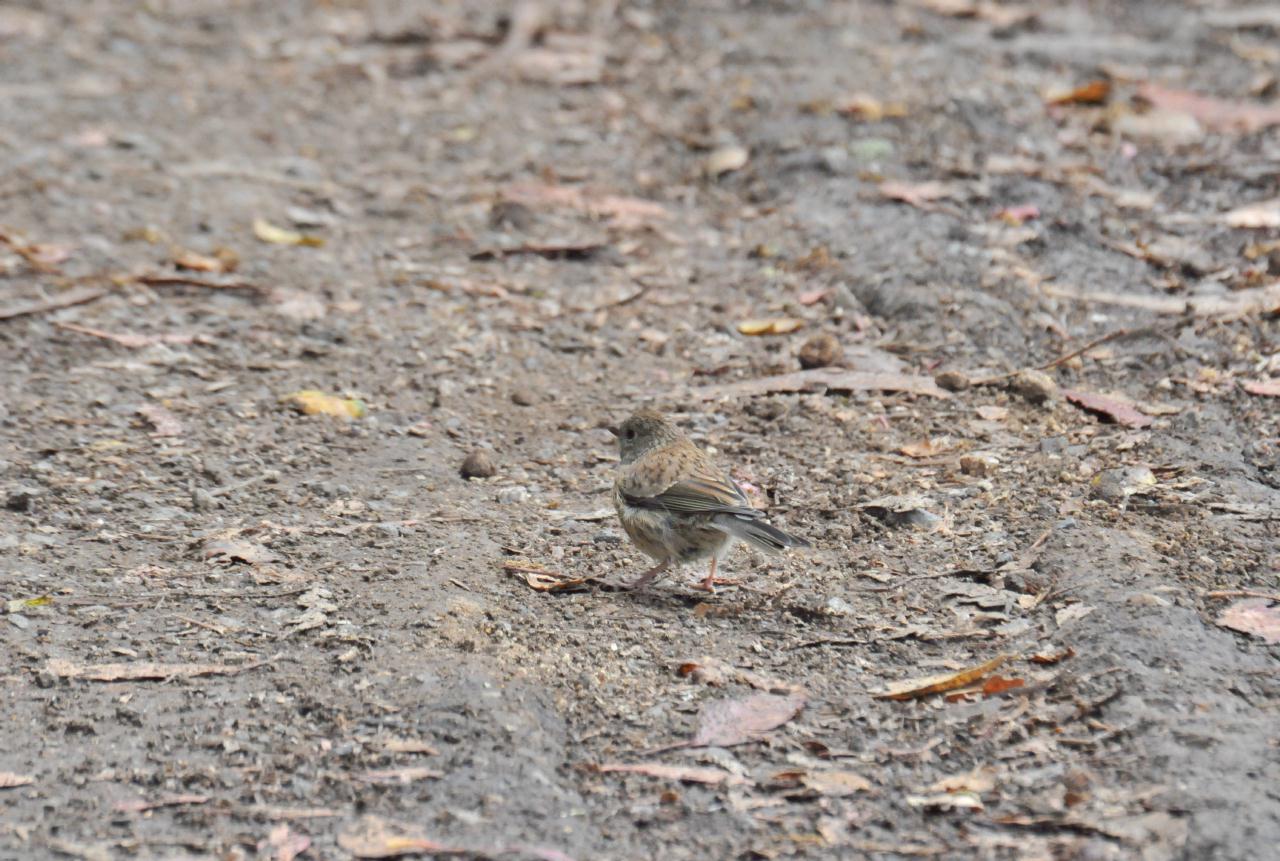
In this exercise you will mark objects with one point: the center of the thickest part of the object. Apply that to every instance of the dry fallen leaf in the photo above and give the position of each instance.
(311, 402)
(1018, 215)
(682, 773)
(141, 805)
(1092, 93)
(10, 780)
(835, 783)
(625, 211)
(1218, 115)
(1266, 388)
(864, 107)
(142, 670)
(978, 781)
(1264, 215)
(375, 837)
(164, 422)
(268, 232)
(1053, 657)
(770, 326)
(920, 195)
(726, 159)
(222, 260)
(1257, 616)
(922, 687)
(725, 723)
(404, 775)
(947, 801)
(1119, 411)
(924, 448)
(287, 844)
(542, 580)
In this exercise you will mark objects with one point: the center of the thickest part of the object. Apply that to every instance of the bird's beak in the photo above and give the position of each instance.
(613, 430)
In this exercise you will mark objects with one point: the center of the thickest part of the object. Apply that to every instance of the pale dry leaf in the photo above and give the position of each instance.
(940, 683)
(141, 805)
(770, 326)
(725, 723)
(287, 844)
(1120, 411)
(142, 670)
(268, 232)
(835, 783)
(1264, 215)
(726, 159)
(164, 422)
(239, 550)
(375, 837)
(403, 776)
(683, 773)
(11, 780)
(920, 195)
(1264, 388)
(979, 780)
(1259, 617)
(1217, 115)
(311, 402)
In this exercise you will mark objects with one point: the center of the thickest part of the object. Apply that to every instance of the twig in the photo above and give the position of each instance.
(1096, 342)
(189, 281)
(26, 252)
(66, 300)
(1243, 593)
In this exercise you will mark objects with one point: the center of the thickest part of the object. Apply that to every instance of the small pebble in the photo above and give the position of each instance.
(511, 495)
(978, 463)
(1035, 386)
(952, 381)
(522, 398)
(820, 351)
(478, 465)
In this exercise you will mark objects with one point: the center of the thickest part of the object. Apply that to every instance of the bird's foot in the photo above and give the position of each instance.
(709, 584)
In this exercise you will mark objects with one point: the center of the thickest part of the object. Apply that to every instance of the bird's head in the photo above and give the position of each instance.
(644, 430)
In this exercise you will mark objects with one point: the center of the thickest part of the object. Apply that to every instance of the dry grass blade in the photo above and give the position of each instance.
(941, 683)
(78, 296)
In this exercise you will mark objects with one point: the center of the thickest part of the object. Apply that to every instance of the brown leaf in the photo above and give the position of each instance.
(543, 580)
(941, 683)
(1266, 388)
(165, 422)
(713, 671)
(979, 780)
(142, 670)
(375, 837)
(864, 107)
(1215, 114)
(1092, 93)
(920, 195)
(771, 326)
(726, 723)
(1053, 657)
(1257, 616)
(997, 685)
(924, 448)
(831, 379)
(682, 773)
(141, 805)
(185, 259)
(10, 780)
(1119, 411)
(835, 783)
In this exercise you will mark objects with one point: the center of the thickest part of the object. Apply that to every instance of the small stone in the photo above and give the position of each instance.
(22, 498)
(820, 351)
(952, 381)
(522, 398)
(511, 495)
(1035, 386)
(478, 465)
(979, 464)
(837, 606)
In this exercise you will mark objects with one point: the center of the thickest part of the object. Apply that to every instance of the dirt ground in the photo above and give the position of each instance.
(237, 631)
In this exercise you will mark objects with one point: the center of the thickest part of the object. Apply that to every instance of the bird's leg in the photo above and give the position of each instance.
(709, 583)
(649, 576)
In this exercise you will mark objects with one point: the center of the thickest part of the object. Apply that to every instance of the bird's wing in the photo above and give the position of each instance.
(682, 479)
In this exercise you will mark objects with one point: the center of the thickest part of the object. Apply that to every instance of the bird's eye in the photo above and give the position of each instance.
(631, 434)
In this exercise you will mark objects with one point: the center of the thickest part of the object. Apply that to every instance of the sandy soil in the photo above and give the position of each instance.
(238, 631)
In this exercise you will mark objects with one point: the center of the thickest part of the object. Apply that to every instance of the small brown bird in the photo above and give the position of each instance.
(677, 505)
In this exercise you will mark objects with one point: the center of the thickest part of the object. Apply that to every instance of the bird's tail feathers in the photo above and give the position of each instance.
(758, 533)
